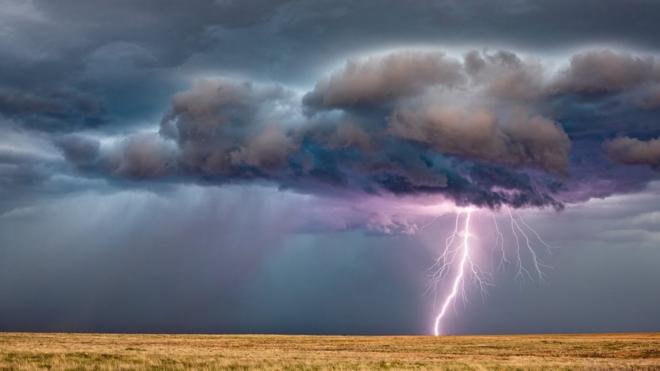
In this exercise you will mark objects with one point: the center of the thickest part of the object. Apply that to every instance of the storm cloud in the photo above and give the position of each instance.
(405, 122)
(379, 80)
(173, 132)
(634, 151)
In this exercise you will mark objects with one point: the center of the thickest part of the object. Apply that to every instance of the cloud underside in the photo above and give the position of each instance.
(485, 129)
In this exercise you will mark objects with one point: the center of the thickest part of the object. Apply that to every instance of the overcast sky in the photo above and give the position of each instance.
(296, 166)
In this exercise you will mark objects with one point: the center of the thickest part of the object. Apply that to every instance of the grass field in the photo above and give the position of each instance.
(111, 351)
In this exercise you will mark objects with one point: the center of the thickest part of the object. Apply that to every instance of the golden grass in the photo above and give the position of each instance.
(30, 351)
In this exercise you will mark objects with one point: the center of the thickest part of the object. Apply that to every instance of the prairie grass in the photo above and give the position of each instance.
(29, 351)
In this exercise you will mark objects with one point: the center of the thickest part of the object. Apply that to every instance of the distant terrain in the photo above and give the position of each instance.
(111, 351)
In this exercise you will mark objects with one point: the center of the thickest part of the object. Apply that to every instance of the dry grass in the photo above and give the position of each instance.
(113, 351)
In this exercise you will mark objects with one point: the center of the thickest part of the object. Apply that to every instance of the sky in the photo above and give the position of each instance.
(295, 166)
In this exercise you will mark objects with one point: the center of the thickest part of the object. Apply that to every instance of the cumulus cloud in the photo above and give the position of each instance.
(504, 75)
(228, 130)
(380, 80)
(492, 128)
(142, 156)
(632, 151)
(476, 133)
(222, 125)
(606, 71)
(384, 80)
(268, 149)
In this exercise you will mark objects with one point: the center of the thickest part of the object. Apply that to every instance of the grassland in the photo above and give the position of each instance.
(113, 351)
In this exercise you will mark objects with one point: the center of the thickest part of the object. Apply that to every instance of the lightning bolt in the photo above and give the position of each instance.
(465, 258)
(460, 256)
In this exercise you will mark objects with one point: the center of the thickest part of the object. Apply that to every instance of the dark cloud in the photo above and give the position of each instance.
(81, 65)
(405, 123)
(141, 157)
(31, 168)
(58, 110)
(223, 127)
(233, 130)
(357, 115)
(633, 151)
(380, 80)
(79, 150)
(607, 71)
(161, 28)
(525, 140)
(505, 76)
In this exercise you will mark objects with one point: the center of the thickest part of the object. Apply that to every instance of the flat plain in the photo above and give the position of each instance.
(275, 352)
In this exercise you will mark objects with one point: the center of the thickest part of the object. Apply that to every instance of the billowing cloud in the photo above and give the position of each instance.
(607, 71)
(633, 151)
(141, 156)
(490, 129)
(379, 80)
(483, 126)
(224, 126)
(186, 150)
(525, 140)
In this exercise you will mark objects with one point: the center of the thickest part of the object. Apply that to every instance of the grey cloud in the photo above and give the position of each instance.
(540, 141)
(32, 168)
(610, 85)
(142, 156)
(55, 110)
(78, 149)
(161, 26)
(85, 83)
(477, 133)
(268, 149)
(118, 61)
(211, 104)
(122, 59)
(505, 76)
(461, 121)
(160, 42)
(379, 80)
(632, 151)
(12, 103)
(594, 176)
(649, 98)
(348, 134)
(403, 122)
(421, 123)
(474, 62)
(385, 80)
(448, 129)
(607, 71)
(225, 131)
(220, 124)
(18, 144)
